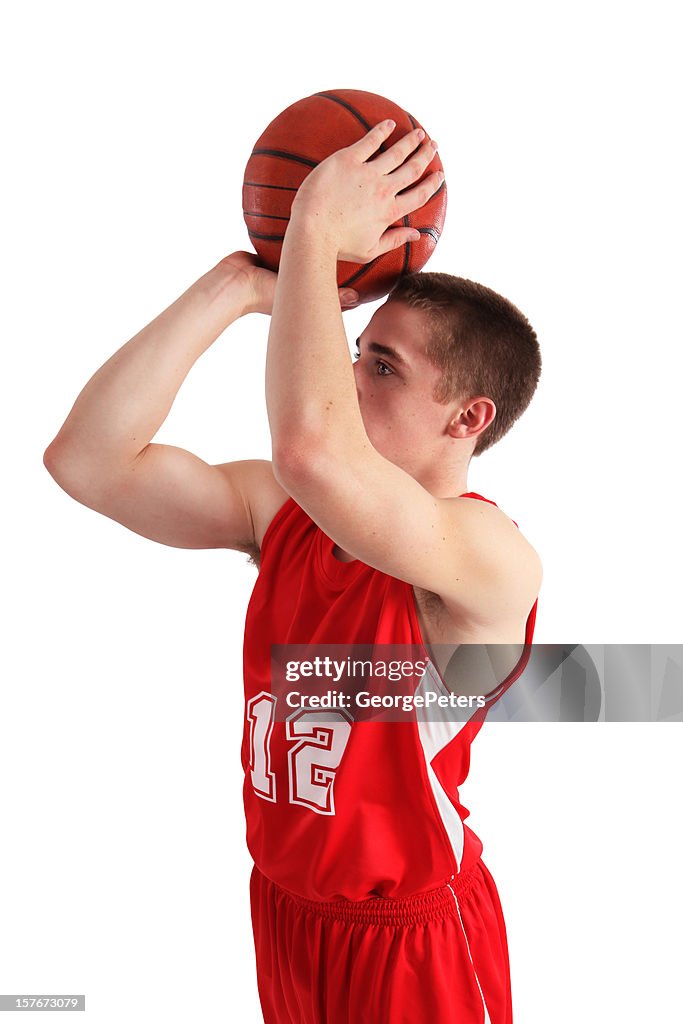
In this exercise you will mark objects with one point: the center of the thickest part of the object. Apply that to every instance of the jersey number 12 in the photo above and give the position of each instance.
(319, 740)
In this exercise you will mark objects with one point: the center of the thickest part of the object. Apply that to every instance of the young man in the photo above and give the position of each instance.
(370, 901)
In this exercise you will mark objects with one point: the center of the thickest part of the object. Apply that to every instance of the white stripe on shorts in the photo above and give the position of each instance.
(487, 1019)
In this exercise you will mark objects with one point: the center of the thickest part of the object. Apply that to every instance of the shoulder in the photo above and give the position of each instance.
(502, 570)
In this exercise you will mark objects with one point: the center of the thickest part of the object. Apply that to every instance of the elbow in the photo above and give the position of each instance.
(49, 458)
(57, 460)
(76, 476)
(64, 469)
(297, 462)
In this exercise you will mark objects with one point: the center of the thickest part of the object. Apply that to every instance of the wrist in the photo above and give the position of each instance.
(314, 229)
(230, 290)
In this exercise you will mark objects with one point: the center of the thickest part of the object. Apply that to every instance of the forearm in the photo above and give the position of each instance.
(310, 388)
(123, 405)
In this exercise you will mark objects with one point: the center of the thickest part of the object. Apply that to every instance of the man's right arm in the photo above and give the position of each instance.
(173, 497)
(103, 455)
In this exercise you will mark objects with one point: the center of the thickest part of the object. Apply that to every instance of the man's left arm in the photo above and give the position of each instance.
(468, 552)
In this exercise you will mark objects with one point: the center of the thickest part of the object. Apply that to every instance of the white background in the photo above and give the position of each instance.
(123, 869)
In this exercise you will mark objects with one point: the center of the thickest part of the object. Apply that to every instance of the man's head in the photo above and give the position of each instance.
(443, 360)
(473, 363)
(481, 344)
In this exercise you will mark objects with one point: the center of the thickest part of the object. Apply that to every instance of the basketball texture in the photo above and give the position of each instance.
(294, 143)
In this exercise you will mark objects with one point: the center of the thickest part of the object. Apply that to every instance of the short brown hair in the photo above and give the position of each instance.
(481, 342)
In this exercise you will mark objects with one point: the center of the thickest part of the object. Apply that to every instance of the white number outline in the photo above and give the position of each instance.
(330, 731)
(326, 733)
(255, 717)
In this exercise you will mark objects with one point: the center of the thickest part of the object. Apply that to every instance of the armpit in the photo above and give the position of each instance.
(254, 554)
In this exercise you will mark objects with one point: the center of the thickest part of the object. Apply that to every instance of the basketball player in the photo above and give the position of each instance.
(370, 900)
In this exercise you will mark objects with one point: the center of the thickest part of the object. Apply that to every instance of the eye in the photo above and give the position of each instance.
(379, 363)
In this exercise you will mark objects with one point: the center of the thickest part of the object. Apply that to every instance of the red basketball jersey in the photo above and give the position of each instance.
(336, 808)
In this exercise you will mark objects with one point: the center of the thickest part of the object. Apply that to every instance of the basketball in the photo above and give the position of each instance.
(294, 143)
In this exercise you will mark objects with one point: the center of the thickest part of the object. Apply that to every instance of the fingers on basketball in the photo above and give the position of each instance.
(372, 141)
(397, 154)
(416, 197)
(413, 168)
(394, 238)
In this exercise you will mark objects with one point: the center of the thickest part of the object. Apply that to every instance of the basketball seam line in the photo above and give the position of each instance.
(352, 110)
(347, 106)
(282, 188)
(284, 155)
(267, 216)
(265, 238)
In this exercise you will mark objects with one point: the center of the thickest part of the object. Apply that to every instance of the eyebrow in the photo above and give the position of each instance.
(385, 350)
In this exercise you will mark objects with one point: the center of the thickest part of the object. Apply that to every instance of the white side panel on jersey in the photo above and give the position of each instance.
(436, 734)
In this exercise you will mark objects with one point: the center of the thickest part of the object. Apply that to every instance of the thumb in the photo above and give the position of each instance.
(348, 297)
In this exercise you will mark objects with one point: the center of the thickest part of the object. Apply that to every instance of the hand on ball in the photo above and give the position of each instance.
(258, 283)
(353, 197)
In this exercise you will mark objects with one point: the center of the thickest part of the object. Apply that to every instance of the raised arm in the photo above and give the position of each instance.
(103, 456)
(468, 553)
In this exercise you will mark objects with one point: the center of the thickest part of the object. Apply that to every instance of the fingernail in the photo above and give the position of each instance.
(349, 298)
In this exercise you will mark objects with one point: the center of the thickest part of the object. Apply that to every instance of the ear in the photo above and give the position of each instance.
(471, 419)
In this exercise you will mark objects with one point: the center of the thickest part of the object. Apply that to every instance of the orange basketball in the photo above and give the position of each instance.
(294, 143)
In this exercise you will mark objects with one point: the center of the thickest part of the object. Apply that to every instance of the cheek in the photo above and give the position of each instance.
(391, 416)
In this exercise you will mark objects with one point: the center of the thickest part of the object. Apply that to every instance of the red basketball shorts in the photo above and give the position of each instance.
(433, 958)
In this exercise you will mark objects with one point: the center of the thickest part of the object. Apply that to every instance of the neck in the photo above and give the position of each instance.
(448, 484)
